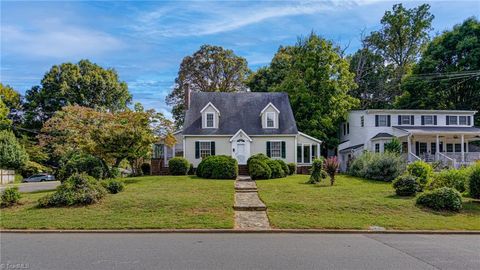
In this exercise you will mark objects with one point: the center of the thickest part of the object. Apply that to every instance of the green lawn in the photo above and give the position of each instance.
(147, 202)
(354, 203)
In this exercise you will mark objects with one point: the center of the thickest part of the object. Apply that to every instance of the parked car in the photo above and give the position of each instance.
(39, 178)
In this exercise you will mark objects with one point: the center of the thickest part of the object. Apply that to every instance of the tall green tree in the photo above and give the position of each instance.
(12, 153)
(403, 36)
(12, 104)
(5, 122)
(448, 74)
(317, 80)
(84, 84)
(210, 69)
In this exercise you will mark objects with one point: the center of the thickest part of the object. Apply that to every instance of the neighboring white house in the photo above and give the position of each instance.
(421, 132)
(240, 125)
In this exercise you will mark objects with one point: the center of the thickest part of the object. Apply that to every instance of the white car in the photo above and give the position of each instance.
(39, 178)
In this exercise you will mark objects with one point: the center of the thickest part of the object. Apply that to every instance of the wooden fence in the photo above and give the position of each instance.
(7, 176)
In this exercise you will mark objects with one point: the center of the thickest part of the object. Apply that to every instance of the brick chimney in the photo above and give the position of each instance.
(187, 99)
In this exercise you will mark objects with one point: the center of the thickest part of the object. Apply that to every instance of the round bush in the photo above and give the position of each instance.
(113, 186)
(474, 182)
(405, 185)
(178, 166)
(422, 171)
(10, 196)
(276, 168)
(145, 167)
(82, 163)
(378, 166)
(292, 168)
(284, 166)
(260, 156)
(218, 167)
(457, 179)
(441, 199)
(259, 170)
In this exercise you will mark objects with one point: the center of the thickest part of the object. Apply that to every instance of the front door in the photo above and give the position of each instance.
(240, 155)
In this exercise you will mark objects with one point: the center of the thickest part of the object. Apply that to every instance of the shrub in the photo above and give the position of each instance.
(284, 166)
(378, 166)
(12, 153)
(276, 168)
(145, 167)
(191, 170)
(317, 172)
(178, 166)
(78, 189)
(218, 167)
(474, 182)
(394, 146)
(10, 196)
(258, 169)
(405, 185)
(292, 168)
(331, 166)
(113, 186)
(261, 157)
(441, 199)
(82, 163)
(422, 171)
(457, 179)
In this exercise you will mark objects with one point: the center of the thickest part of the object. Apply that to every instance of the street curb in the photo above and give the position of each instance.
(269, 231)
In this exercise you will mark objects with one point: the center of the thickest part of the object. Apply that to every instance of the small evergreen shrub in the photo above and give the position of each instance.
(218, 167)
(78, 189)
(113, 186)
(317, 172)
(145, 167)
(453, 178)
(276, 168)
(441, 199)
(474, 182)
(260, 156)
(259, 170)
(331, 166)
(10, 197)
(394, 146)
(284, 166)
(178, 166)
(378, 166)
(405, 185)
(292, 168)
(82, 163)
(422, 171)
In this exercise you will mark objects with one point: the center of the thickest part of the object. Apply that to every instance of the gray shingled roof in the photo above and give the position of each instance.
(439, 129)
(239, 111)
(382, 135)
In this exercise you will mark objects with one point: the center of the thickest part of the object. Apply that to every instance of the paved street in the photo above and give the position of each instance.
(239, 251)
(35, 186)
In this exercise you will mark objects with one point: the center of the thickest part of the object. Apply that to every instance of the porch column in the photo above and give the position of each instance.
(466, 150)
(173, 150)
(437, 155)
(165, 155)
(463, 148)
(409, 147)
(318, 150)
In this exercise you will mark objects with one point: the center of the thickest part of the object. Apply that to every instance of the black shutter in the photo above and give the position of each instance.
(376, 120)
(399, 120)
(469, 120)
(435, 120)
(283, 150)
(388, 121)
(268, 149)
(423, 120)
(417, 148)
(412, 120)
(197, 150)
(448, 120)
(212, 148)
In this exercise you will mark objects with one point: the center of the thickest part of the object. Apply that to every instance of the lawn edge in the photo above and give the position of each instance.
(279, 231)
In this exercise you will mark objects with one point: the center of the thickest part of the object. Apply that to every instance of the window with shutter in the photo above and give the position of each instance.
(275, 149)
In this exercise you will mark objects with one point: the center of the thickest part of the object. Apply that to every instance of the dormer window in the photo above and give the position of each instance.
(270, 119)
(210, 116)
(269, 116)
(210, 120)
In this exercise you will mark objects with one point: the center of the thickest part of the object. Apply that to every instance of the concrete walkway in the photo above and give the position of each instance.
(250, 211)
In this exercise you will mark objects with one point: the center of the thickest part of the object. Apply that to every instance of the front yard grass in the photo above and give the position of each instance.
(160, 202)
(354, 203)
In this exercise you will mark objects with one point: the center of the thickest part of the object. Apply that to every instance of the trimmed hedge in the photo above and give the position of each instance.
(277, 171)
(378, 166)
(261, 157)
(405, 185)
(441, 199)
(474, 182)
(218, 167)
(292, 168)
(258, 169)
(178, 166)
(422, 171)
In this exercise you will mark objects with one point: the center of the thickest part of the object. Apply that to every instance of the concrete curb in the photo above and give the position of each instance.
(278, 231)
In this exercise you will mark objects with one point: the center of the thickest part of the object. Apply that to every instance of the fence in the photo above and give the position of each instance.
(7, 176)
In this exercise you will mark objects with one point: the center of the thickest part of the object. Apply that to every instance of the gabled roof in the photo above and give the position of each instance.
(210, 105)
(382, 135)
(239, 111)
(352, 147)
(269, 105)
(240, 132)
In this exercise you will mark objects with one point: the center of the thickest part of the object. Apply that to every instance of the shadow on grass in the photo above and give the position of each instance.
(396, 197)
(131, 181)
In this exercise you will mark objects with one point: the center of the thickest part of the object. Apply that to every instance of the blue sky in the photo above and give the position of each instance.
(146, 41)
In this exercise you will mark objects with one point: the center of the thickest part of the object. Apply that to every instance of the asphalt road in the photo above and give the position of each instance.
(239, 251)
(35, 186)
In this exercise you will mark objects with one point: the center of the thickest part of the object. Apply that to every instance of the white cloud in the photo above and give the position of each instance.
(57, 42)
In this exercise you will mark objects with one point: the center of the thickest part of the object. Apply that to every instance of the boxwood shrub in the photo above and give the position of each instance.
(422, 171)
(277, 171)
(260, 156)
(258, 169)
(292, 168)
(284, 166)
(441, 199)
(178, 166)
(474, 182)
(378, 166)
(405, 185)
(218, 167)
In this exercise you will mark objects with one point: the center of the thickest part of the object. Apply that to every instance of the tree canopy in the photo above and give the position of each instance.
(317, 80)
(84, 84)
(210, 69)
(12, 153)
(448, 73)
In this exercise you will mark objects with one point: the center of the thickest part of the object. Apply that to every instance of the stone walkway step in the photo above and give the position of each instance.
(248, 201)
(251, 220)
(245, 186)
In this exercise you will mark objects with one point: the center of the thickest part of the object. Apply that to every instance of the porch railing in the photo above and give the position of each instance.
(412, 157)
(446, 160)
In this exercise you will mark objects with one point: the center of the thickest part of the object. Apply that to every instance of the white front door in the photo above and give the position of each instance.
(241, 151)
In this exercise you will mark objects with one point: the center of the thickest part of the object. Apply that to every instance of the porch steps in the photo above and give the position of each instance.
(242, 170)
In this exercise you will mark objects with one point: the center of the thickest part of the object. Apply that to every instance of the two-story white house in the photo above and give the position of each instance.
(430, 135)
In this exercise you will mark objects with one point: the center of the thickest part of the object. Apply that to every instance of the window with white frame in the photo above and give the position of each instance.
(383, 120)
(377, 148)
(275, 149)
(405, 119)
(270, 116)
(428, 120)
(452, 120)
(462, 120)
(210, 122)
(205, 149)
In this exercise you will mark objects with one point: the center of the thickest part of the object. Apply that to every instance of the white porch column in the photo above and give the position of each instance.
(409, 147)
(463, 147)
(165, 155)
(318, 150)
(437, 155)
(173, 150)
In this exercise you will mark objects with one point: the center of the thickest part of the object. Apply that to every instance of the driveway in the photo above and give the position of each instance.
(239, 251)
(35, 186)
